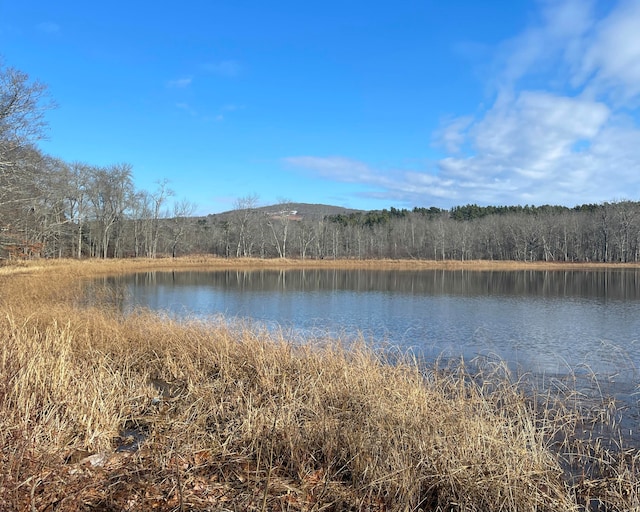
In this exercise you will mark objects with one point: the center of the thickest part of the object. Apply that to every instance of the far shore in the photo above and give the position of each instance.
(92, 267)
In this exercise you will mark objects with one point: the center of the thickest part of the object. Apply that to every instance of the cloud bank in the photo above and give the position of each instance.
(561, 125)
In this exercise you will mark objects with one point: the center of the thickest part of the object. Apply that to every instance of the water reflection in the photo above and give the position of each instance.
(548, 322)
(607, 285)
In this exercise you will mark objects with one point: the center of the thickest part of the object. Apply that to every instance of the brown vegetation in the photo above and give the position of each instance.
(100, 411)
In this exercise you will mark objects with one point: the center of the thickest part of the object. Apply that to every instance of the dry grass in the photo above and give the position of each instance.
(205, 262)
(104, 412)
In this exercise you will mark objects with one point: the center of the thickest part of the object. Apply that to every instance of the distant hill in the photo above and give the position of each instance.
(302, 211)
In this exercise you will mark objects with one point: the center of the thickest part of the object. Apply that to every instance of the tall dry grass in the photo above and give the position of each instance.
(100, 411)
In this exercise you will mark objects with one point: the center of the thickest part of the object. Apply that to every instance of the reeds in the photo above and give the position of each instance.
(101, 411)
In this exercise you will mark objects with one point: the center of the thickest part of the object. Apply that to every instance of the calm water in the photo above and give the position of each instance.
(546, 322)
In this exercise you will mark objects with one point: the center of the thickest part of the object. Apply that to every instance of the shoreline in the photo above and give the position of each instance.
(117, 266)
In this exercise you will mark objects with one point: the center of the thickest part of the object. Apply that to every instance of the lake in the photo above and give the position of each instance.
(546, 322)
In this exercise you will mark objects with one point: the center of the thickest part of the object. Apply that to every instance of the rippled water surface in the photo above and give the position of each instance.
(553, 322)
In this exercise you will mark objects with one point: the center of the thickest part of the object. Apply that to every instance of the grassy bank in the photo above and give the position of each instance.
(104, 412)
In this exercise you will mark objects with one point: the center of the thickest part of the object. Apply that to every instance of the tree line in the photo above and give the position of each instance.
(53, 208)
(607, 232)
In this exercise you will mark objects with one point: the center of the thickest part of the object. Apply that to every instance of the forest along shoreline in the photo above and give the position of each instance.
(256, 422)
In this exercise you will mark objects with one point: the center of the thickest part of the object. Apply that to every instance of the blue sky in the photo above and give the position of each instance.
(354, 103)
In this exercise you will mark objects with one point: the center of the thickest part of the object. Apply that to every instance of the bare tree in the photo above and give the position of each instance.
(22, 107)
(243, 219)
(158, 199)
(77, 198)
(49, 209)
(182, 211)
(111, 189)
(279, 225)
(141, 222)
(306, 236)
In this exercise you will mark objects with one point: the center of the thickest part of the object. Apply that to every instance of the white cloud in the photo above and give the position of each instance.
(537, 147)
(536, 128)
(230, 107)
(224, 68)
(48, 27)
(396, 186)
(187, 108)
(547, 46)
(180, 83)
(334, 168)
(574, 138)
(570, 143)
(611, 63)
(453, 134)
(546, 148)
